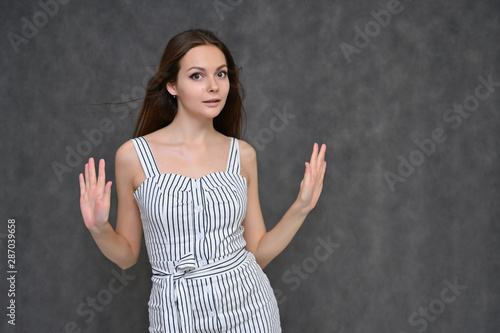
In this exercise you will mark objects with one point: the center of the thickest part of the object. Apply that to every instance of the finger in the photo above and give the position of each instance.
(87, 184)
(107, 192)
(82, 185)
(102, 175)
(307, 173)
(321, 161)
(92, 171)
(314, 155)
(322, 173)
(321, 156)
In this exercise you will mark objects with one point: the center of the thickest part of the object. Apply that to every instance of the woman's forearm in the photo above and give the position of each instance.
(276, 240)
(114, 246)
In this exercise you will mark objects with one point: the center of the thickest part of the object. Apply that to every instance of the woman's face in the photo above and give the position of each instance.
(202, 83)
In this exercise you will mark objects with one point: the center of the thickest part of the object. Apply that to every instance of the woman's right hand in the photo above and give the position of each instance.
(95, 196)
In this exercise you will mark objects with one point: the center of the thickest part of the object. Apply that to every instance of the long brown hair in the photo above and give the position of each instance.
(159, 107)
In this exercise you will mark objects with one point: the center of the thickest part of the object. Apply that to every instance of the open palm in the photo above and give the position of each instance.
(312, 184)
(95, 195)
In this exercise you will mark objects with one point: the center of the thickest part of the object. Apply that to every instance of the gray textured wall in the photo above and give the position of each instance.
(404, 238)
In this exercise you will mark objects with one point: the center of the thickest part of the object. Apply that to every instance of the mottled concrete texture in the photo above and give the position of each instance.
(405, 94)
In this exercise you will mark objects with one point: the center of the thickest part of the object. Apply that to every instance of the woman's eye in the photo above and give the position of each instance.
(222, 74)
(195, 76)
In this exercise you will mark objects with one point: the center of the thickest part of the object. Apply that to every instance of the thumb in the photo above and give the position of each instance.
(307, 172)
(107, 192)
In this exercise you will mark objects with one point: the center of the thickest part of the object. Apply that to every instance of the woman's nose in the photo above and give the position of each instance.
(212, 85)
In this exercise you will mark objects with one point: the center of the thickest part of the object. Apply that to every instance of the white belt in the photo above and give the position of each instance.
(173, 285)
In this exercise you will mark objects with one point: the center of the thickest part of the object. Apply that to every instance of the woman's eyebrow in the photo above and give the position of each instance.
(203, 69)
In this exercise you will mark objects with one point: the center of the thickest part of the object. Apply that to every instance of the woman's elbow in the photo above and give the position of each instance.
(127, 264)
(262, 262)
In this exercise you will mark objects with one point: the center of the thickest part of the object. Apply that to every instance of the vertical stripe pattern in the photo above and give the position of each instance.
(204, 280)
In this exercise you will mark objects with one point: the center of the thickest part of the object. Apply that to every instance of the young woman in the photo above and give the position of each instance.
(190, 183)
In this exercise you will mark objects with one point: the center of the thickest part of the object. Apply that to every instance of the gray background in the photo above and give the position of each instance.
(394, 248)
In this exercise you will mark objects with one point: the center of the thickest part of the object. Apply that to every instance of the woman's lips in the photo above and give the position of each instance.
(212, 102)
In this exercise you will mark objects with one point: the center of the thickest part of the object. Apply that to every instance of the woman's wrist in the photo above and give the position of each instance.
(300, 208)
(100, 229)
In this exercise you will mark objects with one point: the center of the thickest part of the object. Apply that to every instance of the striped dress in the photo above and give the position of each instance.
(204, 280)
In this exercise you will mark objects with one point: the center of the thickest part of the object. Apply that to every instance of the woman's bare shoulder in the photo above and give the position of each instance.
(248, 160)
(126, 156)
(247, 152)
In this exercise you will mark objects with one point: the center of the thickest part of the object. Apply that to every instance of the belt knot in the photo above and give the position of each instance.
(184, 265)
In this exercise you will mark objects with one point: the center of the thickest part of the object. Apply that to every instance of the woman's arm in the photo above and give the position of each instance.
(266, 245)
(123, 245)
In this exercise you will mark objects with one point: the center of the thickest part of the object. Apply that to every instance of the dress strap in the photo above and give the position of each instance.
(233, 162)
(146, 157)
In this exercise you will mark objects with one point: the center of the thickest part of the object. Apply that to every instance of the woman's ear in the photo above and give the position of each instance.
(171, 88)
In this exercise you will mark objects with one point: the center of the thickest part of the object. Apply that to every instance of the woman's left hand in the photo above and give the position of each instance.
(312, 184)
